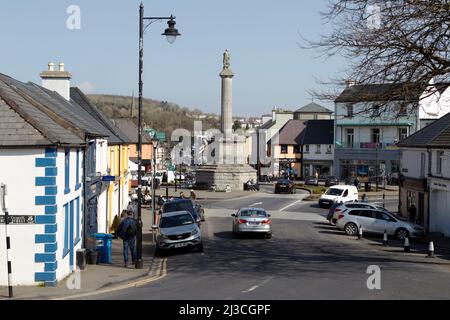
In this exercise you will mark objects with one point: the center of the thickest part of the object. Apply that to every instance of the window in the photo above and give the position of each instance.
(375, 111)
(367, 213)
(315, 116)
(77, 174)
(77, 221)
(403, 110)
(439, 158)
(422, 165)
(350, 137)
(66, 171)
(66, 230)
(382, 216)
(329, 148)
(297, 148)
(284, 148)
(349, 110)
(307, 148)
(375, 135)
(345, 193)
(402, 133)
(318, 147)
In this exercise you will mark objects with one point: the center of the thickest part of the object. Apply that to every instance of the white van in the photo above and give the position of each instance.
(338, 194)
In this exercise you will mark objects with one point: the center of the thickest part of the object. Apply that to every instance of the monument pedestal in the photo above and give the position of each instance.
(221, 175)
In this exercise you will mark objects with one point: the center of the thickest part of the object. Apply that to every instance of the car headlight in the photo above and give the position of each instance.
(193, 233)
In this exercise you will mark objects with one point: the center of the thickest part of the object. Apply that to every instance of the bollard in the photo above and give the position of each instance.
(385, 238)
(360, 233)
(406, 245)
(431, 250)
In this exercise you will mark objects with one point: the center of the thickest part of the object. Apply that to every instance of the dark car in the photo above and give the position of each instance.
(285, 185)
(182, 205)
(311, 181)
(331, 181)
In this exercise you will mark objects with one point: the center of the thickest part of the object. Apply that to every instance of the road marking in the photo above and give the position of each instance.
(162, 273)
(255, 204)
(257, 286)
(292, 204)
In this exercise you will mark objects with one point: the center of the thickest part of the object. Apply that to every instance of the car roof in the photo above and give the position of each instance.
(342, 187)
(175, 213)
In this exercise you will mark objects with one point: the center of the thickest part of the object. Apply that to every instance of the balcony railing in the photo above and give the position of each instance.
(367, 145)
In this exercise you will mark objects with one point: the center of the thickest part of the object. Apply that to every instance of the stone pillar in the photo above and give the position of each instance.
(227, 96)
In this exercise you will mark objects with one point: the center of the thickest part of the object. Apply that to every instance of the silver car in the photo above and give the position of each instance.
(252, 220)
(335, 210)
(377, 221)
(177, 230)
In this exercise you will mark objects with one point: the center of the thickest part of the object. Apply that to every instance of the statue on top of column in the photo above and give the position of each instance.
(226, 60)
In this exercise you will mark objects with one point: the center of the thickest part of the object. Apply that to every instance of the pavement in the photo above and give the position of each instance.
(101, 277)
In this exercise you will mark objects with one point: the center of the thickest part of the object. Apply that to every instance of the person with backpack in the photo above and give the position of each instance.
(127, 232)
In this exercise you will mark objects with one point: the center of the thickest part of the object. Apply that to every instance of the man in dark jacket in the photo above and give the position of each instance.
(127, 231)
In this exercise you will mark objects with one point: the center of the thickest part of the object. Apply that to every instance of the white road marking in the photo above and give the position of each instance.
(257, 286)
(292, 204)
(255, 204)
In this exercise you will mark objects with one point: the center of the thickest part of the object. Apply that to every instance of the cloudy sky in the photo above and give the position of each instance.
(262, 36)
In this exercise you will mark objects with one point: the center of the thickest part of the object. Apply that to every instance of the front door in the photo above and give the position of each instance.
(421, 211)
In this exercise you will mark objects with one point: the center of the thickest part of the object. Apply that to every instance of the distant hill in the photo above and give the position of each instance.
(160, 115)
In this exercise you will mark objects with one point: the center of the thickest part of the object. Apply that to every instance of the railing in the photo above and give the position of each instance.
(367, 145)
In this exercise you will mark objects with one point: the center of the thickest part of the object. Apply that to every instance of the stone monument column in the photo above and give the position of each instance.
(227, 96)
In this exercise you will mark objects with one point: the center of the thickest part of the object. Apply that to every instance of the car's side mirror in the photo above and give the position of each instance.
(233, 215)
(269, 215)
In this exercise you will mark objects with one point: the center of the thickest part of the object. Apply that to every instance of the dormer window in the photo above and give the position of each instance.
(376, 111)
(349, 110)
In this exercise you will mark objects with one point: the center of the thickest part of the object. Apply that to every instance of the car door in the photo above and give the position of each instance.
(381, 222)
(366, 220)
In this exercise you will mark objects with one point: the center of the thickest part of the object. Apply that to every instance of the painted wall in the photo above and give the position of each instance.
(147, 151)
(323, 155)
(434, 105)
(410, 160)
(41, 252)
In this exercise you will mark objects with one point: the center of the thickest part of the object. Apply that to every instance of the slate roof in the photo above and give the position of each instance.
(116, 136)
(24, 121)
(313, 108)
(130, 129)
(267, 124)
(290, 133)
(381, 92)
(318, 132)
(435, 135)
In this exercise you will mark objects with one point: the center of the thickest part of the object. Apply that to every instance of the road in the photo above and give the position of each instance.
(305, 259)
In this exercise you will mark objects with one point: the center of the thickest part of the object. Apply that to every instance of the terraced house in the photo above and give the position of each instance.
(53, 158)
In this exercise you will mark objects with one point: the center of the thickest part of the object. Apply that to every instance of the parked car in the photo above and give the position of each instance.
(182, 205)
(252, 220)
(337, 208)
(339, 193)
(177, 230)
(311, 181)
(377, 221)
(331, 181)
(285, 185)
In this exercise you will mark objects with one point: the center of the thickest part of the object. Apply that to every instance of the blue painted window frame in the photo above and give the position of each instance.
(66, 171)
(77, 178)
(66, 230)
(77, 221)
(71, 233)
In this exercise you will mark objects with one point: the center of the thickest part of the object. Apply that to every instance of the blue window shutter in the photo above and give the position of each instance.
(66, 171)
(77, 221)
(78, 167)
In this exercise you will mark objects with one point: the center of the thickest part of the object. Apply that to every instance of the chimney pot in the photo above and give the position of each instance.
(350, 83)
(61, 66)
(51, 66)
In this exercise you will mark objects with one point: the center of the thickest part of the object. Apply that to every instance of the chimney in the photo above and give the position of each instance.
(350, 83)
(58, 81)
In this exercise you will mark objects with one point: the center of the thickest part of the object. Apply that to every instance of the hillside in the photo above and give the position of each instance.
(160, 115)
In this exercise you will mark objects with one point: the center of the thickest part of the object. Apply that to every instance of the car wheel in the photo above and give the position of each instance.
(351, 229)
(401, 234)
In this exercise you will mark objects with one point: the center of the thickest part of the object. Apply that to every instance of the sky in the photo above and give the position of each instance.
(262, 36)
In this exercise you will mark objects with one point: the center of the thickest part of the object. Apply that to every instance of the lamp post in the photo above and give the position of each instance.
(171, 33)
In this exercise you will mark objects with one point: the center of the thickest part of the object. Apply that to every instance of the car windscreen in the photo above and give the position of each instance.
(334, 192)
(254, 213)
(284, 181)
(176, 221)
(178, 206)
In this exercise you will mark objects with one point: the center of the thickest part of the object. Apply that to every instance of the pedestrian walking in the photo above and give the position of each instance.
(364, 198)
(127, 232)
(193, 195)
(412, 213)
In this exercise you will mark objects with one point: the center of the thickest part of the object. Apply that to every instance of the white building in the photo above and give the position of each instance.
(371, 119)
(425, 176)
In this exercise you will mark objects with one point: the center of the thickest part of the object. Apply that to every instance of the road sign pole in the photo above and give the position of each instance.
(3, 195)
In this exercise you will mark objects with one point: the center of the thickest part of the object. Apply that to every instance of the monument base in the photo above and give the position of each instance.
(223, 175)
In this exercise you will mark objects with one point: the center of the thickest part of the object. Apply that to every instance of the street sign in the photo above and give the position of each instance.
(108, 178)
(18, 219)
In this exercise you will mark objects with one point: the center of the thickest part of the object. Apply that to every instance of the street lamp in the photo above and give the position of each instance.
(171, 33)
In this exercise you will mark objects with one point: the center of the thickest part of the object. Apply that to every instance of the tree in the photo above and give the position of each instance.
(236, 125)
(403, 42)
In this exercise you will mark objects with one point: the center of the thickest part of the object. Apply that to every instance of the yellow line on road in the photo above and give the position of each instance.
(162, 273)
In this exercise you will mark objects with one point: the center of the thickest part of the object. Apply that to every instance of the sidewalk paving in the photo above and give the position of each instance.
(95, 277)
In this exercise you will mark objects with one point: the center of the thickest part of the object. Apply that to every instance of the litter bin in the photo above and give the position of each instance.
(366, 187)
(81, 259)
(103, 246)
